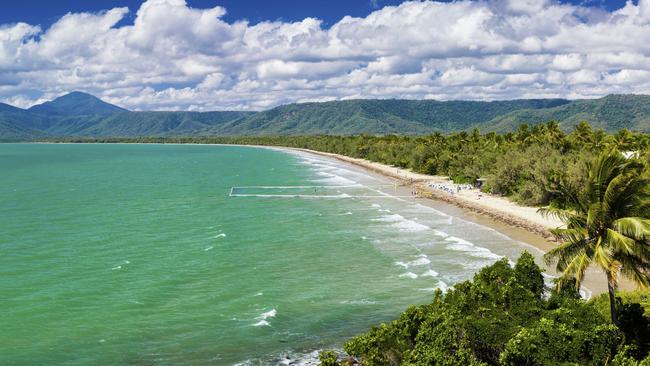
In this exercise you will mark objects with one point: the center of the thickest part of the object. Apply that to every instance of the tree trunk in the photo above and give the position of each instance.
(612, 300)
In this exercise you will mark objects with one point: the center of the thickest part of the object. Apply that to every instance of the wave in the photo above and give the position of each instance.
(410, 226)
(440, 233)
(222, 235)
(469, 247)
(269, 314)
(409, 275)
(422, 260)
(402, 264)
(208, 248)
(390, 218)
(262, 323)
(358, 302)
(430, 273)
(401, 223)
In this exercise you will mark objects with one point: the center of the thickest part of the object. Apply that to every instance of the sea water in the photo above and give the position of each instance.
(138, 255)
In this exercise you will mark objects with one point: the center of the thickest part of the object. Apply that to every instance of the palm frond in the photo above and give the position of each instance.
(619, 242)
(636, 270)
(603, 256)
(636, 228)
(561, 214)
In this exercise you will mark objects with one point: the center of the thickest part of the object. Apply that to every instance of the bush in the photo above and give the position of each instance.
(328, 358)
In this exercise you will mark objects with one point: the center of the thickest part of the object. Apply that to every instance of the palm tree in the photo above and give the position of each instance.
(607, 225)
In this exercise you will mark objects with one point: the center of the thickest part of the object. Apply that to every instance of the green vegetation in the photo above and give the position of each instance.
(502, 317)
(607, 225)
(79, 114)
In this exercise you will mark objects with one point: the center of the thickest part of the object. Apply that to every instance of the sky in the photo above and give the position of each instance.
(257, 54)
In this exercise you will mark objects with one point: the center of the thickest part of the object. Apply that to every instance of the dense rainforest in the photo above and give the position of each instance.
(532, 165)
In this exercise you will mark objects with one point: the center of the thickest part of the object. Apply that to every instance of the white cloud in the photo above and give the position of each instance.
(177, 57)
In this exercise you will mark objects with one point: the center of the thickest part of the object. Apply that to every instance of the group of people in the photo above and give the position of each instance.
(450, 188)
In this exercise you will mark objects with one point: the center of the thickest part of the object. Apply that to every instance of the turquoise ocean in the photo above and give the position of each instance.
(138, 255)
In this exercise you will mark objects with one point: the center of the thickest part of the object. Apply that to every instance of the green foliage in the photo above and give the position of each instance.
(328, 358)
(634, 316)
(552, 343)
(501, 317)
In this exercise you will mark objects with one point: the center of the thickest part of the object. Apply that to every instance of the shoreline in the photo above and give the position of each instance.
(522, 227)
(497, 208)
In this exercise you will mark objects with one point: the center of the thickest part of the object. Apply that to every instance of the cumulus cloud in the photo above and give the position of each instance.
(176, 57)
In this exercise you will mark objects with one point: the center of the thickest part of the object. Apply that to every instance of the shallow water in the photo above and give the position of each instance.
(136, 254)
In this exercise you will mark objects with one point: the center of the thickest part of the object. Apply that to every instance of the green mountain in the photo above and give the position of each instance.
(379, 116)
(143, 123)
(76, 104)
(610, 113)
(83, 115)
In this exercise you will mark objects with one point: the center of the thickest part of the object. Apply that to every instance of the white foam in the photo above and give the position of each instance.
(402, 264)
(409, 275)
(428, 289)
(375, 205)
(466, 246)
(440, 233)
(363, 238)
(335, 180)
(431, 209)
(222, 235)
(269, 314)
(358, 302)
(410, 226)
(401, 223)
(346, 213)
(116, 267)
(259, 294)
(421, 261)
(208, 248)
(390, 218)
(262, 323)
(429, 273)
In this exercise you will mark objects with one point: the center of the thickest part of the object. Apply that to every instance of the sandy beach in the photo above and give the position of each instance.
(499, 208)
(520, 222)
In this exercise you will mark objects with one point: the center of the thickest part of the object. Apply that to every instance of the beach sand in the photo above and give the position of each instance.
(521, 223)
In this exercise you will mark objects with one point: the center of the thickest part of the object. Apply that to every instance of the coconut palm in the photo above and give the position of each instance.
(607, 225)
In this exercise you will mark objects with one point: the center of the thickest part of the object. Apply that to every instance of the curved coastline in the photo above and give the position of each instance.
(529, 227)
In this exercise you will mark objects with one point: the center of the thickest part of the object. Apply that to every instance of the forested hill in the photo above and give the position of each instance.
(83, 115)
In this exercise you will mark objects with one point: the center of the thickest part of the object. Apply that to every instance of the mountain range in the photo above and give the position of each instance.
(83, 115)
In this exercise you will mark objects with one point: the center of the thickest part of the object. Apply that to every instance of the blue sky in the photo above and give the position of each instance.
(46, 12)
(196, 55)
